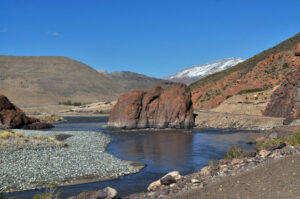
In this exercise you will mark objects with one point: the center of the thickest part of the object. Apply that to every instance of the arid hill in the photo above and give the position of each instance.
(262, 73)
(130, 81)
(29, 80)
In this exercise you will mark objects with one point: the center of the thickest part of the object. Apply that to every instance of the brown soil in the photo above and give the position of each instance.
(275, 179)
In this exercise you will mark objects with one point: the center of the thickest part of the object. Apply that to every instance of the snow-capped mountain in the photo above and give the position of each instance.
(192, 74)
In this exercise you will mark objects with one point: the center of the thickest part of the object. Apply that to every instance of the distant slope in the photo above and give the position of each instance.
(192, 74)
(30, 80)
(129, 81)
(249, 64)
(260, 73)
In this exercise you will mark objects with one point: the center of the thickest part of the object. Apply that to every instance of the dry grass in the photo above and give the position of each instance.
(17, 140)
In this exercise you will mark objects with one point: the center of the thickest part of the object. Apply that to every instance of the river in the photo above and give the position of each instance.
(162, 151)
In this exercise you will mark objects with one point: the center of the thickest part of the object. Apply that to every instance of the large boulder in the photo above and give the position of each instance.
(297, 50)
(158, 108)
(12, 116)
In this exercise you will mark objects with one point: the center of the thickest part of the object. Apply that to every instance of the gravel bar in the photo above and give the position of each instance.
(85, 157)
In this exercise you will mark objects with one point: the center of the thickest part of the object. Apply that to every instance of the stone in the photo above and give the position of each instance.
(205, 171)
(158, 108)
(107, 193)
(154, 185)
(167, 180)
(236, 161)
(264, 153)
(195, 181)
(174, 175)
(13, 117)
(249, 153)
(278, 146)
(297, 50)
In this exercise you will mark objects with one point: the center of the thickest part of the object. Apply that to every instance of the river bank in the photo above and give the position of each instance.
(270, 171)
(84, 159)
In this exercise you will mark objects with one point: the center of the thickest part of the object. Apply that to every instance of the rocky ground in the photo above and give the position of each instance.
(84, 158)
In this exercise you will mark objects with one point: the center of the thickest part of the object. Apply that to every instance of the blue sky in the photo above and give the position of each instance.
(154, 37)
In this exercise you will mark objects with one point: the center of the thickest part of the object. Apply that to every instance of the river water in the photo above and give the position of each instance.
(185, 151)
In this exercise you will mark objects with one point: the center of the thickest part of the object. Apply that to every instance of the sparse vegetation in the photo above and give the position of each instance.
(234, 152)
(11, 139)
(251, 90)
(70, 103)
(293, 141)
(51, 193)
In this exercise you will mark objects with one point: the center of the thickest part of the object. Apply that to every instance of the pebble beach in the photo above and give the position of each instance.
(85, 157)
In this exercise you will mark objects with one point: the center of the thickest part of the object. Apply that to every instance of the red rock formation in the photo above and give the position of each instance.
(297, 50)
(285, 100)
(157, 108)
(12, 116)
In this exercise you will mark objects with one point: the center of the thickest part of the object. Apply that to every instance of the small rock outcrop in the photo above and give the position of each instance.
(12, 116)
(297, 50)
(107, 193)
(158, 108)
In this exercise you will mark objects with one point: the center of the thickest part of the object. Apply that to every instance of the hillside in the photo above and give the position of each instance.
(258, 74)
(194, 73)
(130, 81)
(249, 64)
(30, 80)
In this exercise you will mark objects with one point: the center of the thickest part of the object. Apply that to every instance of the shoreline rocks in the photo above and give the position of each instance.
(12, 116)
(158, 108)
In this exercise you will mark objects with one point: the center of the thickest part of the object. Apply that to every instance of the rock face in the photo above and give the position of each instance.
(158, 108)
(297, 50)
(12, 116)
(285, 101)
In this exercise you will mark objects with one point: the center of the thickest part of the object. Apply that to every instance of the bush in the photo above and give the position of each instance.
(234, 152)
(285, 65)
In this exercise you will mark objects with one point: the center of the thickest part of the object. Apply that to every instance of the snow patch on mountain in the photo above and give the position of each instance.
(195, 73)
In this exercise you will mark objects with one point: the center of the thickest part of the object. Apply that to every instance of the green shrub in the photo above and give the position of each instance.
(234, 152)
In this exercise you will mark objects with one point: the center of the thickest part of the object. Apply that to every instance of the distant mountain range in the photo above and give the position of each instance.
(44, 80)
(194, 73)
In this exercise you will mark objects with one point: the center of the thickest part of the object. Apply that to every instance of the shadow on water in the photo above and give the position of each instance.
(161, 150)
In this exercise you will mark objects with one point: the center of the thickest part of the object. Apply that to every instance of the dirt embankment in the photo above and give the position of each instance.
(276, 179)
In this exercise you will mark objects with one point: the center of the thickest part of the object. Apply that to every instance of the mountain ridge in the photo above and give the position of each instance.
(196, 72)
